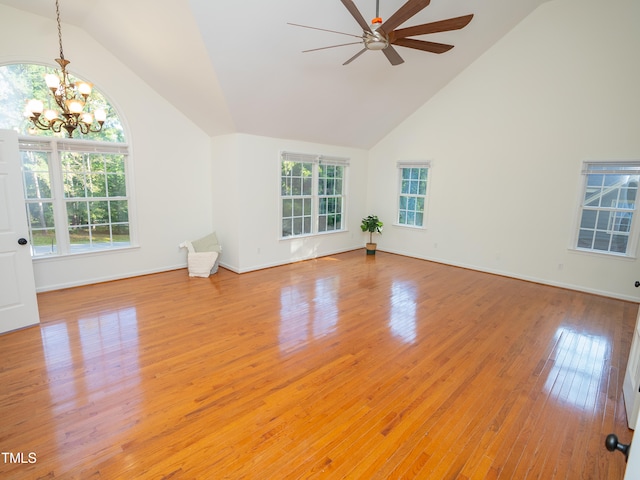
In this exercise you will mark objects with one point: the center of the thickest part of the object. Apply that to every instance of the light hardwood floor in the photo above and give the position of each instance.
(348, 366)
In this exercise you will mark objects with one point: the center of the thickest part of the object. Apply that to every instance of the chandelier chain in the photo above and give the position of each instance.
(59, 29)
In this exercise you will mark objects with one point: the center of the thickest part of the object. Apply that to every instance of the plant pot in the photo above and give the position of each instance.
(371, 248)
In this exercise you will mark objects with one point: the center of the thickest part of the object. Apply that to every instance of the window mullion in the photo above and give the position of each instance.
(315, 201)
(59, 203)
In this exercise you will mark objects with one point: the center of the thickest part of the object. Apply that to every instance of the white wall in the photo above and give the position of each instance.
(225, 196)
(170, 155)
(246, 182)
(507, 139)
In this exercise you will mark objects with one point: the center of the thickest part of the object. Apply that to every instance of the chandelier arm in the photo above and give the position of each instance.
(90, 127)
(84, 128)
(55, 125)
(38, 123)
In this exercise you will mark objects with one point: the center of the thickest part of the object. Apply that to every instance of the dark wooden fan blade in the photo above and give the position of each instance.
(442, 26)
(355, 13)
(422, 45)
(403, 14)
(392, 55)
(355, 56)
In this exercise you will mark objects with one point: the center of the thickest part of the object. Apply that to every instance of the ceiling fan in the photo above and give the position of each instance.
(382, 35)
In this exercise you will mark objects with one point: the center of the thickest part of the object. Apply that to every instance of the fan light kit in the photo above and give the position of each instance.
(382, 35)
(375, 40)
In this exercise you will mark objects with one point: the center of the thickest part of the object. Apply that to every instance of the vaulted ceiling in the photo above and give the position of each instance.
(237, 66)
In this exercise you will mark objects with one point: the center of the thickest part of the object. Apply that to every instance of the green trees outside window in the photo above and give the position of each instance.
(76, 192)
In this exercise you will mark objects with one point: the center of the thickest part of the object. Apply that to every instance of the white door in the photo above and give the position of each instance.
(631, 385)
(18, 302)
(633, 464)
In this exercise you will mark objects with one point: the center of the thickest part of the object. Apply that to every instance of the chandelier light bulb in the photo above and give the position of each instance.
(100, 115)
(86, 118)
(50, 115)
(74, 105)
(52, 80)
(84, 88)
(35, 106)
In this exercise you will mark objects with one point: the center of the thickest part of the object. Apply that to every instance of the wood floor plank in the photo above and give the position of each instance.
(347, 366)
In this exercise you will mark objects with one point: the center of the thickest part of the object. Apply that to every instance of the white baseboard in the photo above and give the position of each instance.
(568, 286)
(62, 286)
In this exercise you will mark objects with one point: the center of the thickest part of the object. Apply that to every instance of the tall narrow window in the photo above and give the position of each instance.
(330, 194)
(607, 222)
(412, 199)
(312, 194)
(36, 179)
(297, 197)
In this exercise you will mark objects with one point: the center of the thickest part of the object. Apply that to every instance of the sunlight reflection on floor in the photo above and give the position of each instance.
(111, 335)
(303, 319)
(403, 310)
(578, 368)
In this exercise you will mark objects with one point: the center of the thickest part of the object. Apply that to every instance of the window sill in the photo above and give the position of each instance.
(617, 256)
(310, 235)
(88, 253)
(410, 227)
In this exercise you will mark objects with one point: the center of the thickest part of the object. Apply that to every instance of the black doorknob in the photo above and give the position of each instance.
(22, 241)
(637, 283)
(612, 444)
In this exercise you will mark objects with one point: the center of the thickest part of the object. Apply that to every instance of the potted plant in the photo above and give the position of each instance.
(372, 225)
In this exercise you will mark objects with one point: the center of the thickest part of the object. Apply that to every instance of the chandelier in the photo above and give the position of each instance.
(71, 98)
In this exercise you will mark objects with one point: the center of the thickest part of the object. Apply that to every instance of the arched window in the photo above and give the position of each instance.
(21, 82)
(76, 190)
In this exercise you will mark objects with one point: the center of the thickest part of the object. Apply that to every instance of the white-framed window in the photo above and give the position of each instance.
(607, 220)
(77, 191)
(413, 180)
(312, 194)
(76, 195)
